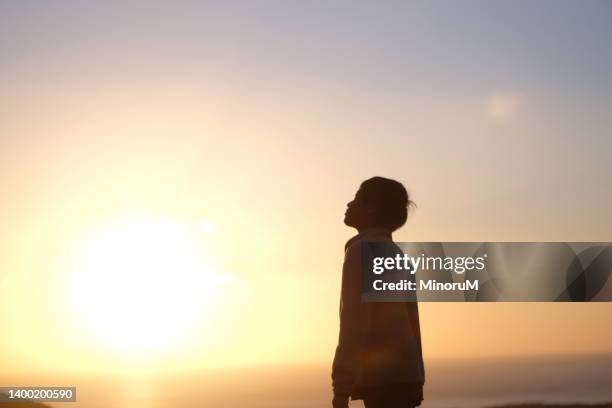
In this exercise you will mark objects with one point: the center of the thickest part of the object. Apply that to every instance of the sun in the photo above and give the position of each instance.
(140, 285)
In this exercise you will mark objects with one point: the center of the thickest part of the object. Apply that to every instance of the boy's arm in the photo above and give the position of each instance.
(354, 326)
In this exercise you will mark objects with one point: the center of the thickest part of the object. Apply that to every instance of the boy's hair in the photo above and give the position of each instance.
(389, 200)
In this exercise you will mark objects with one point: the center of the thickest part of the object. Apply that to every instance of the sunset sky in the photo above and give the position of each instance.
(173, 175)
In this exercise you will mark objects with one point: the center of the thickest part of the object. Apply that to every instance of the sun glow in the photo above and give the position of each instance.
(142, 284)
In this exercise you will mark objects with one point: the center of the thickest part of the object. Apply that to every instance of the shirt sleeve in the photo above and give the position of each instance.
(354, 324)
(413, 317)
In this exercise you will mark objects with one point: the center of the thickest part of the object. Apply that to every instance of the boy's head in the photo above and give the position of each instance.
(379, 203)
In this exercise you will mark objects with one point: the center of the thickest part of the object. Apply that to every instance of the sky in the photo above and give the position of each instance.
(242, 129)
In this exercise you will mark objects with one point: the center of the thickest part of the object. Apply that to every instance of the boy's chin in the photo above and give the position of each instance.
(347, 221)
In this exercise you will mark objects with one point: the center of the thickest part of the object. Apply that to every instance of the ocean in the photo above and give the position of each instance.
(449, 384)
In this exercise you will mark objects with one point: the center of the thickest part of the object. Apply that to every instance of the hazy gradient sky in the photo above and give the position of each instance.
(263, 118)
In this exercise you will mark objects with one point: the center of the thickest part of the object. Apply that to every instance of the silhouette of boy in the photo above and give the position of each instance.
(379, 357)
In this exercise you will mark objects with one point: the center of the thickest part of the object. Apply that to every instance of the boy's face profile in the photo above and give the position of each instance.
(357, 214)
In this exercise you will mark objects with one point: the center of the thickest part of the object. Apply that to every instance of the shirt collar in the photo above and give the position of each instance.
(366, 233)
